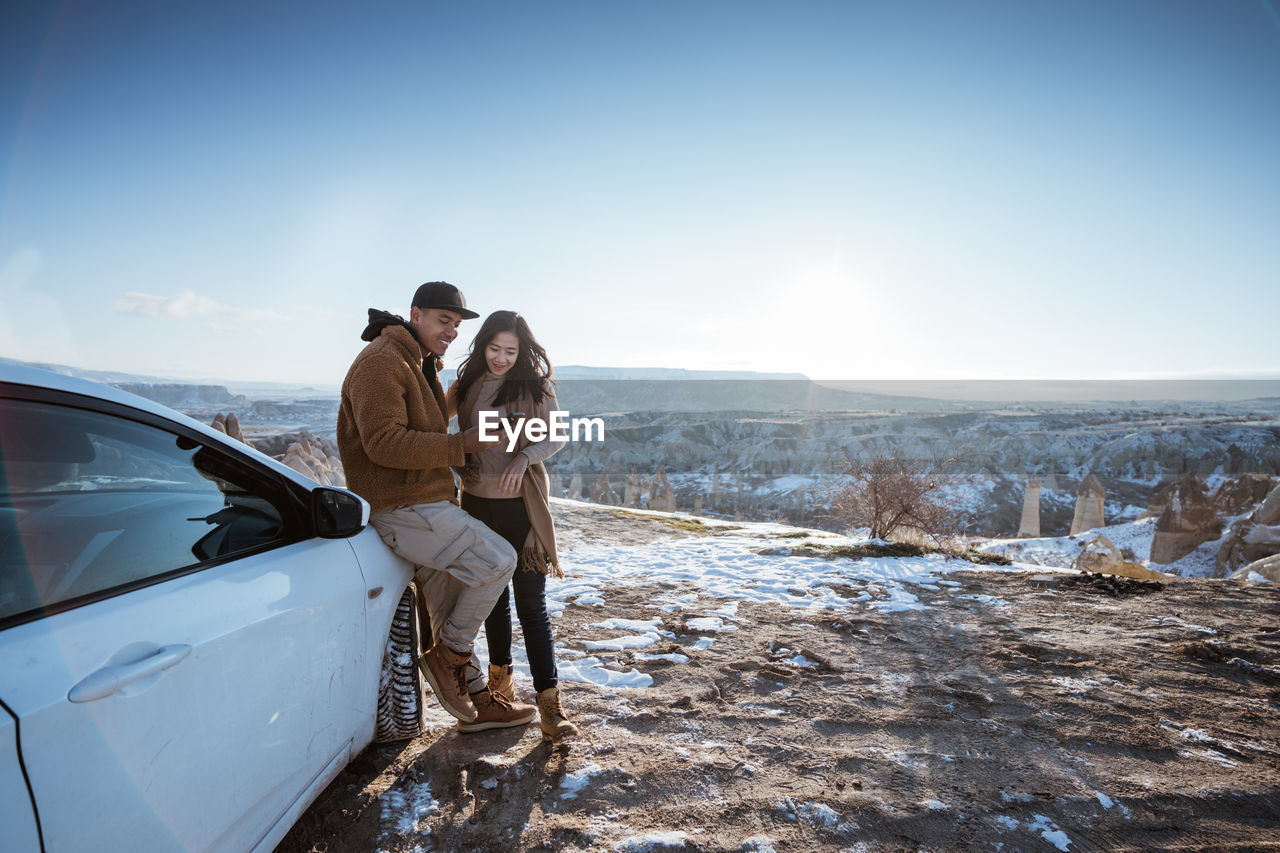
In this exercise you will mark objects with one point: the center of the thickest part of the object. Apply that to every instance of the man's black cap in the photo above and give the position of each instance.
(442, 294)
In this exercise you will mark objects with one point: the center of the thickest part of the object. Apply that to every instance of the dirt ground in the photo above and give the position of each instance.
(1071, 717)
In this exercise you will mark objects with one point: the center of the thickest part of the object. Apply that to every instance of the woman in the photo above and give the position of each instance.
(507, 371)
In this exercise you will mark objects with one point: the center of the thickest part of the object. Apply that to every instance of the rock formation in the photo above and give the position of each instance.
(1252, 538)
(1239, 493)
(603, 493)
(631, 491)
(1246, 542)
(662, 497)
(554, 486)
(1090, 498)
(1269, 511)
(1030, 524)
(575, 487)
(1188, 519)
(1101, 555)
(1268, 568)
(317, 458)
(230, 425)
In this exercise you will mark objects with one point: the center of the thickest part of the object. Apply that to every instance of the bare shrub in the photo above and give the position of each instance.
(895, 496)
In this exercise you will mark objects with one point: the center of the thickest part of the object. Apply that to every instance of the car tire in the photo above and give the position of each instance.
(401, 685)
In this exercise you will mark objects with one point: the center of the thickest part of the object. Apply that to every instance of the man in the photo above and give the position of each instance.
(393, 437)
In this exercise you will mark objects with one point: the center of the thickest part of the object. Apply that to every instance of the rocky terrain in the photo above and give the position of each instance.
(785, 464)
(742, 697)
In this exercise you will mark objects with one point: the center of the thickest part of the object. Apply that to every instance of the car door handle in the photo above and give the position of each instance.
(103, 682)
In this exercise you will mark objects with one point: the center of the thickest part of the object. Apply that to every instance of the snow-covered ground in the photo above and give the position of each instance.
(708, 583)
(747, 562)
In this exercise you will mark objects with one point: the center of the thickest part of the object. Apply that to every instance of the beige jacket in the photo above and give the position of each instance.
(538, 553)
(481, 475)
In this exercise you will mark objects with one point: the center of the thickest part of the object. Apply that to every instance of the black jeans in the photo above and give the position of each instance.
(508, 518)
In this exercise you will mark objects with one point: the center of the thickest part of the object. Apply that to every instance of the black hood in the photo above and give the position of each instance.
(378, 320)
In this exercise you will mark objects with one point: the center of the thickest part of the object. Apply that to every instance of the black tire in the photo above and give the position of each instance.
(400, 686)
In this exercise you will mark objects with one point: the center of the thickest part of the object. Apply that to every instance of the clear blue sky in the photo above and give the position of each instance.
(857, 190)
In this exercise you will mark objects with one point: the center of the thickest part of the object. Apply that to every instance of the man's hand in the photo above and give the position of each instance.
(513, 476)
(471, 442)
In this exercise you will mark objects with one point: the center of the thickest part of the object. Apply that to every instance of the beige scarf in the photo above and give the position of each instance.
(539, 551)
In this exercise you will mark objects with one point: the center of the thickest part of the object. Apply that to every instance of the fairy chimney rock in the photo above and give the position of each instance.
(662, 497)
(1236, 495)
(1029, 527)
(602, 492)
(575, 487)
(1090, 498)
(233, 428)
(1188, 519)
(631, 491)
(230, 425)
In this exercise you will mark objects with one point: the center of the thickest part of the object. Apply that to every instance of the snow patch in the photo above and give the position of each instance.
(404, 811)
(573, 783)
(640, 626)
(818, 814)
(1050, 832)
(618, 644)
(674, 840)
(1175, 620)
(591, 670)
(709, 623)
(670, 656)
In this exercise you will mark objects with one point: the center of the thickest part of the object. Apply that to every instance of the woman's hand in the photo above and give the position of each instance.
(513, 476)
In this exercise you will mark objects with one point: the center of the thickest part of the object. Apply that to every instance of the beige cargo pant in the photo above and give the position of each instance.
(463, 566)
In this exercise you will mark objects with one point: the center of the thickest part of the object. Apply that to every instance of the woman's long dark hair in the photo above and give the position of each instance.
(527, 377)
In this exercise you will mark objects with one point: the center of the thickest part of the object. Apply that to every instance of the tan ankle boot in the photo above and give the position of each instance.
(445, 670)
(495, 712)
(502, 680)
(554, 723)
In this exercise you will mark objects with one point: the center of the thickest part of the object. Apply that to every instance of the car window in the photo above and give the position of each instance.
(91, 502)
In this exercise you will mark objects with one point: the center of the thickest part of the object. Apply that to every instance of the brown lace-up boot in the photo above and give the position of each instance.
(493, 711)
(555, 724)
(502, 681)
(446, 672)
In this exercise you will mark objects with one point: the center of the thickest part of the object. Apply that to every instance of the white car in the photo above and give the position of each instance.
(194, 638)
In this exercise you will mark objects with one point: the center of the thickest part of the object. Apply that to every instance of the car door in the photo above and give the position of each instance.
(179, 653)
(18, 832)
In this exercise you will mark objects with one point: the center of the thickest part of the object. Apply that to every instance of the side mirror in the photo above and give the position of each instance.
(337, 513)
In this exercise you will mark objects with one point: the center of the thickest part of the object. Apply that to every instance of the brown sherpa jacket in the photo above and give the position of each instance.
(393, 427)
